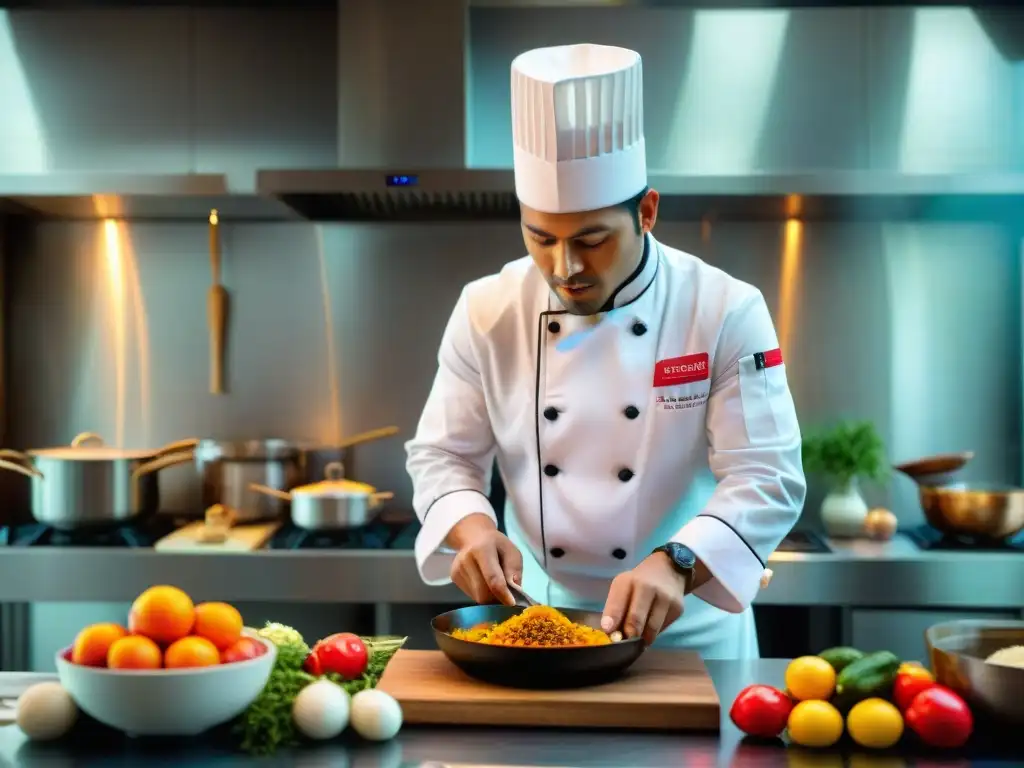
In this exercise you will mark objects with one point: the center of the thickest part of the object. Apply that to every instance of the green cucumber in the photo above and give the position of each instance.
(841, 657)
(867, 677)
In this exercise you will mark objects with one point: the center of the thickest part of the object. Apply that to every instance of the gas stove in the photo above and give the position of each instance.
(806, 542)
(378, 535)
(929, 539)
(134, 534)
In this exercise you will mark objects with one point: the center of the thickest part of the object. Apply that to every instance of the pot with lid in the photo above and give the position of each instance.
(88, 483)
(331, 504)
(982, 511)
(229, 469)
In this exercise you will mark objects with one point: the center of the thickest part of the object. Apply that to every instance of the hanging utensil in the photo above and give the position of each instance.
(216, 309)
(332, 504)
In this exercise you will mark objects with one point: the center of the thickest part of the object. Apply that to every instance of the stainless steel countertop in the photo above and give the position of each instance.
(858, 573)
(490, 747)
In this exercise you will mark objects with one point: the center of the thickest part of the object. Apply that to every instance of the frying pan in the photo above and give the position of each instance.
(535, 668)
(983, 511)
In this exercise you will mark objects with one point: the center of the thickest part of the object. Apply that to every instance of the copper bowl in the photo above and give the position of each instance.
(989, 512)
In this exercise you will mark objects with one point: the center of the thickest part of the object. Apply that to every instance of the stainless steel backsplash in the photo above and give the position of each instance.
(914, 326)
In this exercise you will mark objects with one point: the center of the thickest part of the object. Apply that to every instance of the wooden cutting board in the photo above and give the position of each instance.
(240, 538)
(664, 690)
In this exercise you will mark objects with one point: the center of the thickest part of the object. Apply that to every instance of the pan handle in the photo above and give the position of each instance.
(189, 444)
(153, 465)
(27, 471)
(366, 437)
(266, 490)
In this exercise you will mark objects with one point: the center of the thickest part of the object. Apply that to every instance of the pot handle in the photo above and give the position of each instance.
(12, 455)
(83, 438)
(27, 471)
(188, 444)
(377, 498)
(266, 490)
(153, 465)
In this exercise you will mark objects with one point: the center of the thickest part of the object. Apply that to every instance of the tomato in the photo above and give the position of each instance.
(940, 718)
(909, 682)
(760, 710)
(241, 650)
(343, 654)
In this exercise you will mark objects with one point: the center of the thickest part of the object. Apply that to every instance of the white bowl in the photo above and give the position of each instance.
(167, 702)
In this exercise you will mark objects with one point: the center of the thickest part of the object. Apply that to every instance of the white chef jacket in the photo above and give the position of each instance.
(666, 418)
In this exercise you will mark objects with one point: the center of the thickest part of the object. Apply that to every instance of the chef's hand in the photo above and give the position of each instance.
(645, 600)
(485, 561)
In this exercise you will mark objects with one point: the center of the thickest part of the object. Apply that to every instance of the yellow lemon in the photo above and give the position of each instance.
(814, 724)
(875, 724)
(810, 677)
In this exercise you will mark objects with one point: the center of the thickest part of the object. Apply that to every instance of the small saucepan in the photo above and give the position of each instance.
(331, 504)
(981, 511)
(88, 483)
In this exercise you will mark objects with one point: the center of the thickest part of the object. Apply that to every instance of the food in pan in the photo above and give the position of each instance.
(539, 626)
(1008, 657)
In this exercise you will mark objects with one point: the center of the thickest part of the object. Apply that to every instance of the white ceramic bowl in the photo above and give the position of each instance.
(167, 702)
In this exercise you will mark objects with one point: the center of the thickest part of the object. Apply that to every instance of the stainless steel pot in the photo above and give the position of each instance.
(91, 484)
(331, 504)
(228, 468)
(982, 511)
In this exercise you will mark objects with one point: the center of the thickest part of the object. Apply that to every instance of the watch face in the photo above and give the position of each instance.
(683, 556)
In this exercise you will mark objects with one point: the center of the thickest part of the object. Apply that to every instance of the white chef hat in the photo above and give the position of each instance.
(578, 127)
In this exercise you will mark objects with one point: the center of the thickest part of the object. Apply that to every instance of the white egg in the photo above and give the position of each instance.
(320, 711)
(46, 711)
(376, 715)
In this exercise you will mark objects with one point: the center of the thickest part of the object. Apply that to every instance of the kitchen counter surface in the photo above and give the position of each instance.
(450, 747)
(857, 573)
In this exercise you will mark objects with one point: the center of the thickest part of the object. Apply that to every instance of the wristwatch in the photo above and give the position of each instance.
(682, 559)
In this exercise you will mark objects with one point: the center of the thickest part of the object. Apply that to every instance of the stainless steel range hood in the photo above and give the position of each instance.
(139, 197)
(468, 194)
(402, 127)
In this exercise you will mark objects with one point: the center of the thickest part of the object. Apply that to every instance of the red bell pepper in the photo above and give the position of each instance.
(940, 718)
(760, 710)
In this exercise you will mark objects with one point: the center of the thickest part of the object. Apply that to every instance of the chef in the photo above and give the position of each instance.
(635, 398)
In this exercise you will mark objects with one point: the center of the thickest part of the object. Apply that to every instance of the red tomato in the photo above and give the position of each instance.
(908, 684)
(312, 665)
(343, 654)
(940, 718)
(760, 710)
(242, 649)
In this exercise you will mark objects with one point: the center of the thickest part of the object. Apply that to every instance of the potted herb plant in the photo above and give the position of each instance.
(847, 453)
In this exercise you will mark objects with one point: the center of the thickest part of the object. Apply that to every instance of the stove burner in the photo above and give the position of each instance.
(133, 535)
(803, 541)
(379, 535)
(928, 538)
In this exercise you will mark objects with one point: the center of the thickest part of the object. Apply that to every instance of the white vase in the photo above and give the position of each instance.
(844, 511)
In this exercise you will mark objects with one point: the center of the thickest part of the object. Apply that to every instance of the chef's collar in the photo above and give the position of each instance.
(640, 279)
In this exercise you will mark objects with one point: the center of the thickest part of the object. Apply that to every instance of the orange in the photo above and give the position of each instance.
(219, 623)
(163, 614)
(191, 652)
(134, 652)
(92, 644)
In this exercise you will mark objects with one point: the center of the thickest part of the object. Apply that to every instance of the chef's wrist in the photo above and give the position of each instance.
(468, 529)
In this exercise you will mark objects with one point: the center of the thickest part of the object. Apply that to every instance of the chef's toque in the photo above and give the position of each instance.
(578, 127)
